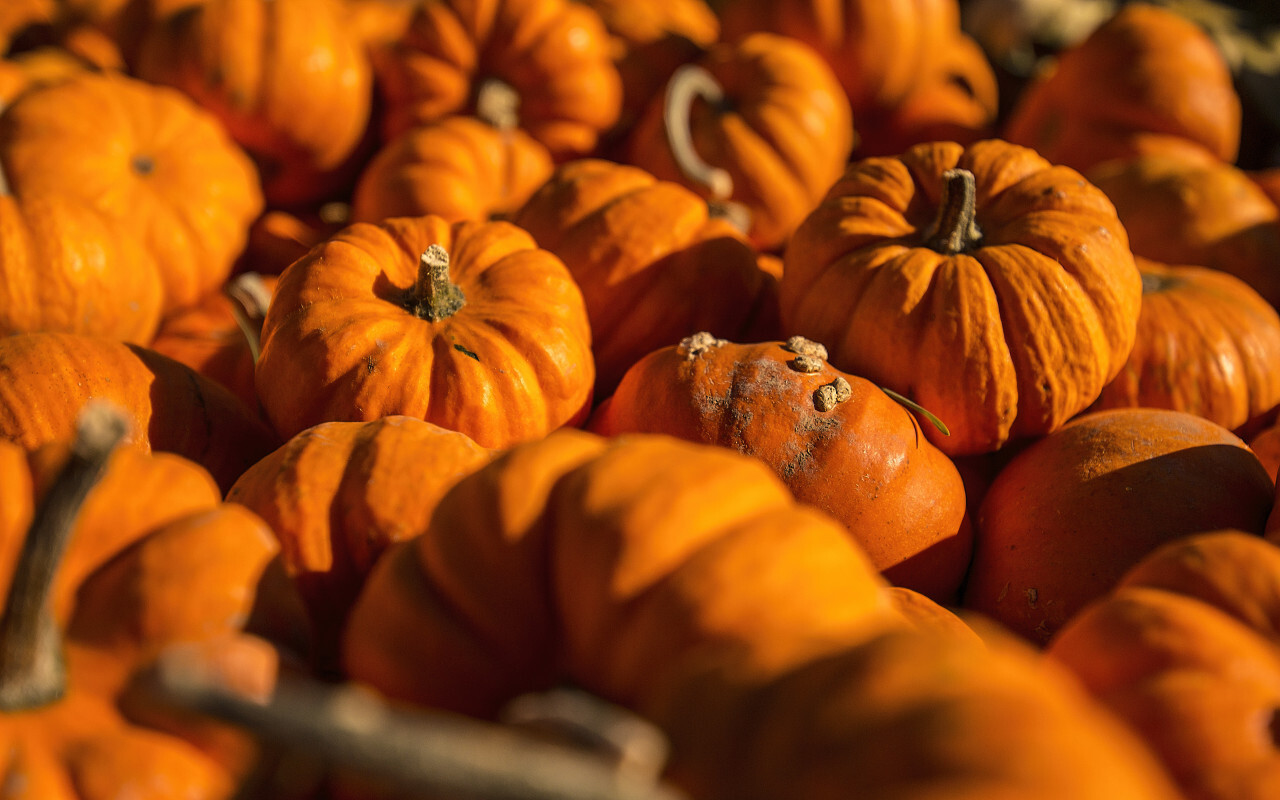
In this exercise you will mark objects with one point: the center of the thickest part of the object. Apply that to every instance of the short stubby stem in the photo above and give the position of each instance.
(498, 103)
(435, 295)
(955, 229)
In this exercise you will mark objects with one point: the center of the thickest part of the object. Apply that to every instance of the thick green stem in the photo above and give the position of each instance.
(32, 673)
(955, 230)
(435, 296)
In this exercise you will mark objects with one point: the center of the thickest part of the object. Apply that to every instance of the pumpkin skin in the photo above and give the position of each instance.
(1005, 336)
(150, 160)
(862, 459)
(289, 79)
(1207, 344)
(1069, 515)
(457, 168)
(1145, 80)
(781, 131)
(554, 54)
(155, 560)
(338, 494)
(47, 378)
(654, 264)
(341, 343)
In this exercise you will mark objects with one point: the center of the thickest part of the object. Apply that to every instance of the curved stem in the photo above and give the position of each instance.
(955, 230)
(498, 103)
(687, 84)
(919, 409)
(435, 296)
(32, 673)
(250, 299)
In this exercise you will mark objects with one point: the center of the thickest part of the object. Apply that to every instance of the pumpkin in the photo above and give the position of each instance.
(457, 168)
(278, 238)
(338, 494)
(539, 65)
(219, 337)
(147, 158)
(761, 123)
(288, 78)
(836, 440)
(1207, 344)
(1146, 80)
(468, 325)
(878, 49)
(1067, 516)
(654, 262)
(991, 287)
(46, 377)
(147, 558)
(1196, 211)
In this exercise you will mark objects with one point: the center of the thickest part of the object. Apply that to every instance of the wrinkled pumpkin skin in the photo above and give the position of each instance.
(863, 459)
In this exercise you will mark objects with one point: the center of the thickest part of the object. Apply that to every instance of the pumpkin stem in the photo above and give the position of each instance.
(436, 297)
(1152, 283)
(250, 299)
(912, 405)
(955, 230)
(498, 103)
(687, 84)
(32, 673)
(415, 752)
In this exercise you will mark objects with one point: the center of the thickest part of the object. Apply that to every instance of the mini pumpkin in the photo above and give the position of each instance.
(468, 325)
(836, 440)
(991, 287)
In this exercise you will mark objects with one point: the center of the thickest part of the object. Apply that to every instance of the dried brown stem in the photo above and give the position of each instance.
(435, 296)
(955, 230)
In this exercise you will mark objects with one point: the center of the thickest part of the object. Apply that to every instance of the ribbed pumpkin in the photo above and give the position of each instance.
(540, 65)
(1065, 519)
(289, 79)
(991, 287)
(761, 123)
(45, 378)
(654, 262)
(836, 440)
(338, 494)
(1147, 80)
(153, 559)
(457, 168)
(150, 160)
(468, 325)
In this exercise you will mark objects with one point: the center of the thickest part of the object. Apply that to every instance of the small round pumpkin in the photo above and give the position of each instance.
(469, 325)
(1065, 519)
(991, 287)
(836, 440)
(1207, 344)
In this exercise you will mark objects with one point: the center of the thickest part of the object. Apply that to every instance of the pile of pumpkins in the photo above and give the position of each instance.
(775, 372)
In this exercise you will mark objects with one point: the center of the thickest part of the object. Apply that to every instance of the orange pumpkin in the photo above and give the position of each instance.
(654, 263)
(1207, 344)
(540, 65)
(151, 559)
(45, 378)
(1069, 515)
(761, 123)
(289, 79)
(1146, 80)
(150, 160)
(467, 325)
(836, 440)
(458, 168)
(991, 287)
(338, 494)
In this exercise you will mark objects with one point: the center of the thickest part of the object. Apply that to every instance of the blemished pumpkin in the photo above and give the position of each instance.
(468, 325)
(1207, 344)
(338, 494)
(1066, 517)
(150, 160)
(153, 558)
(761, 123)
(289, 79)
(540, 65)
(45, 378)
(457, 168)
(836, 440)
(989, 286)
(1147, 80)
(654, 262)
